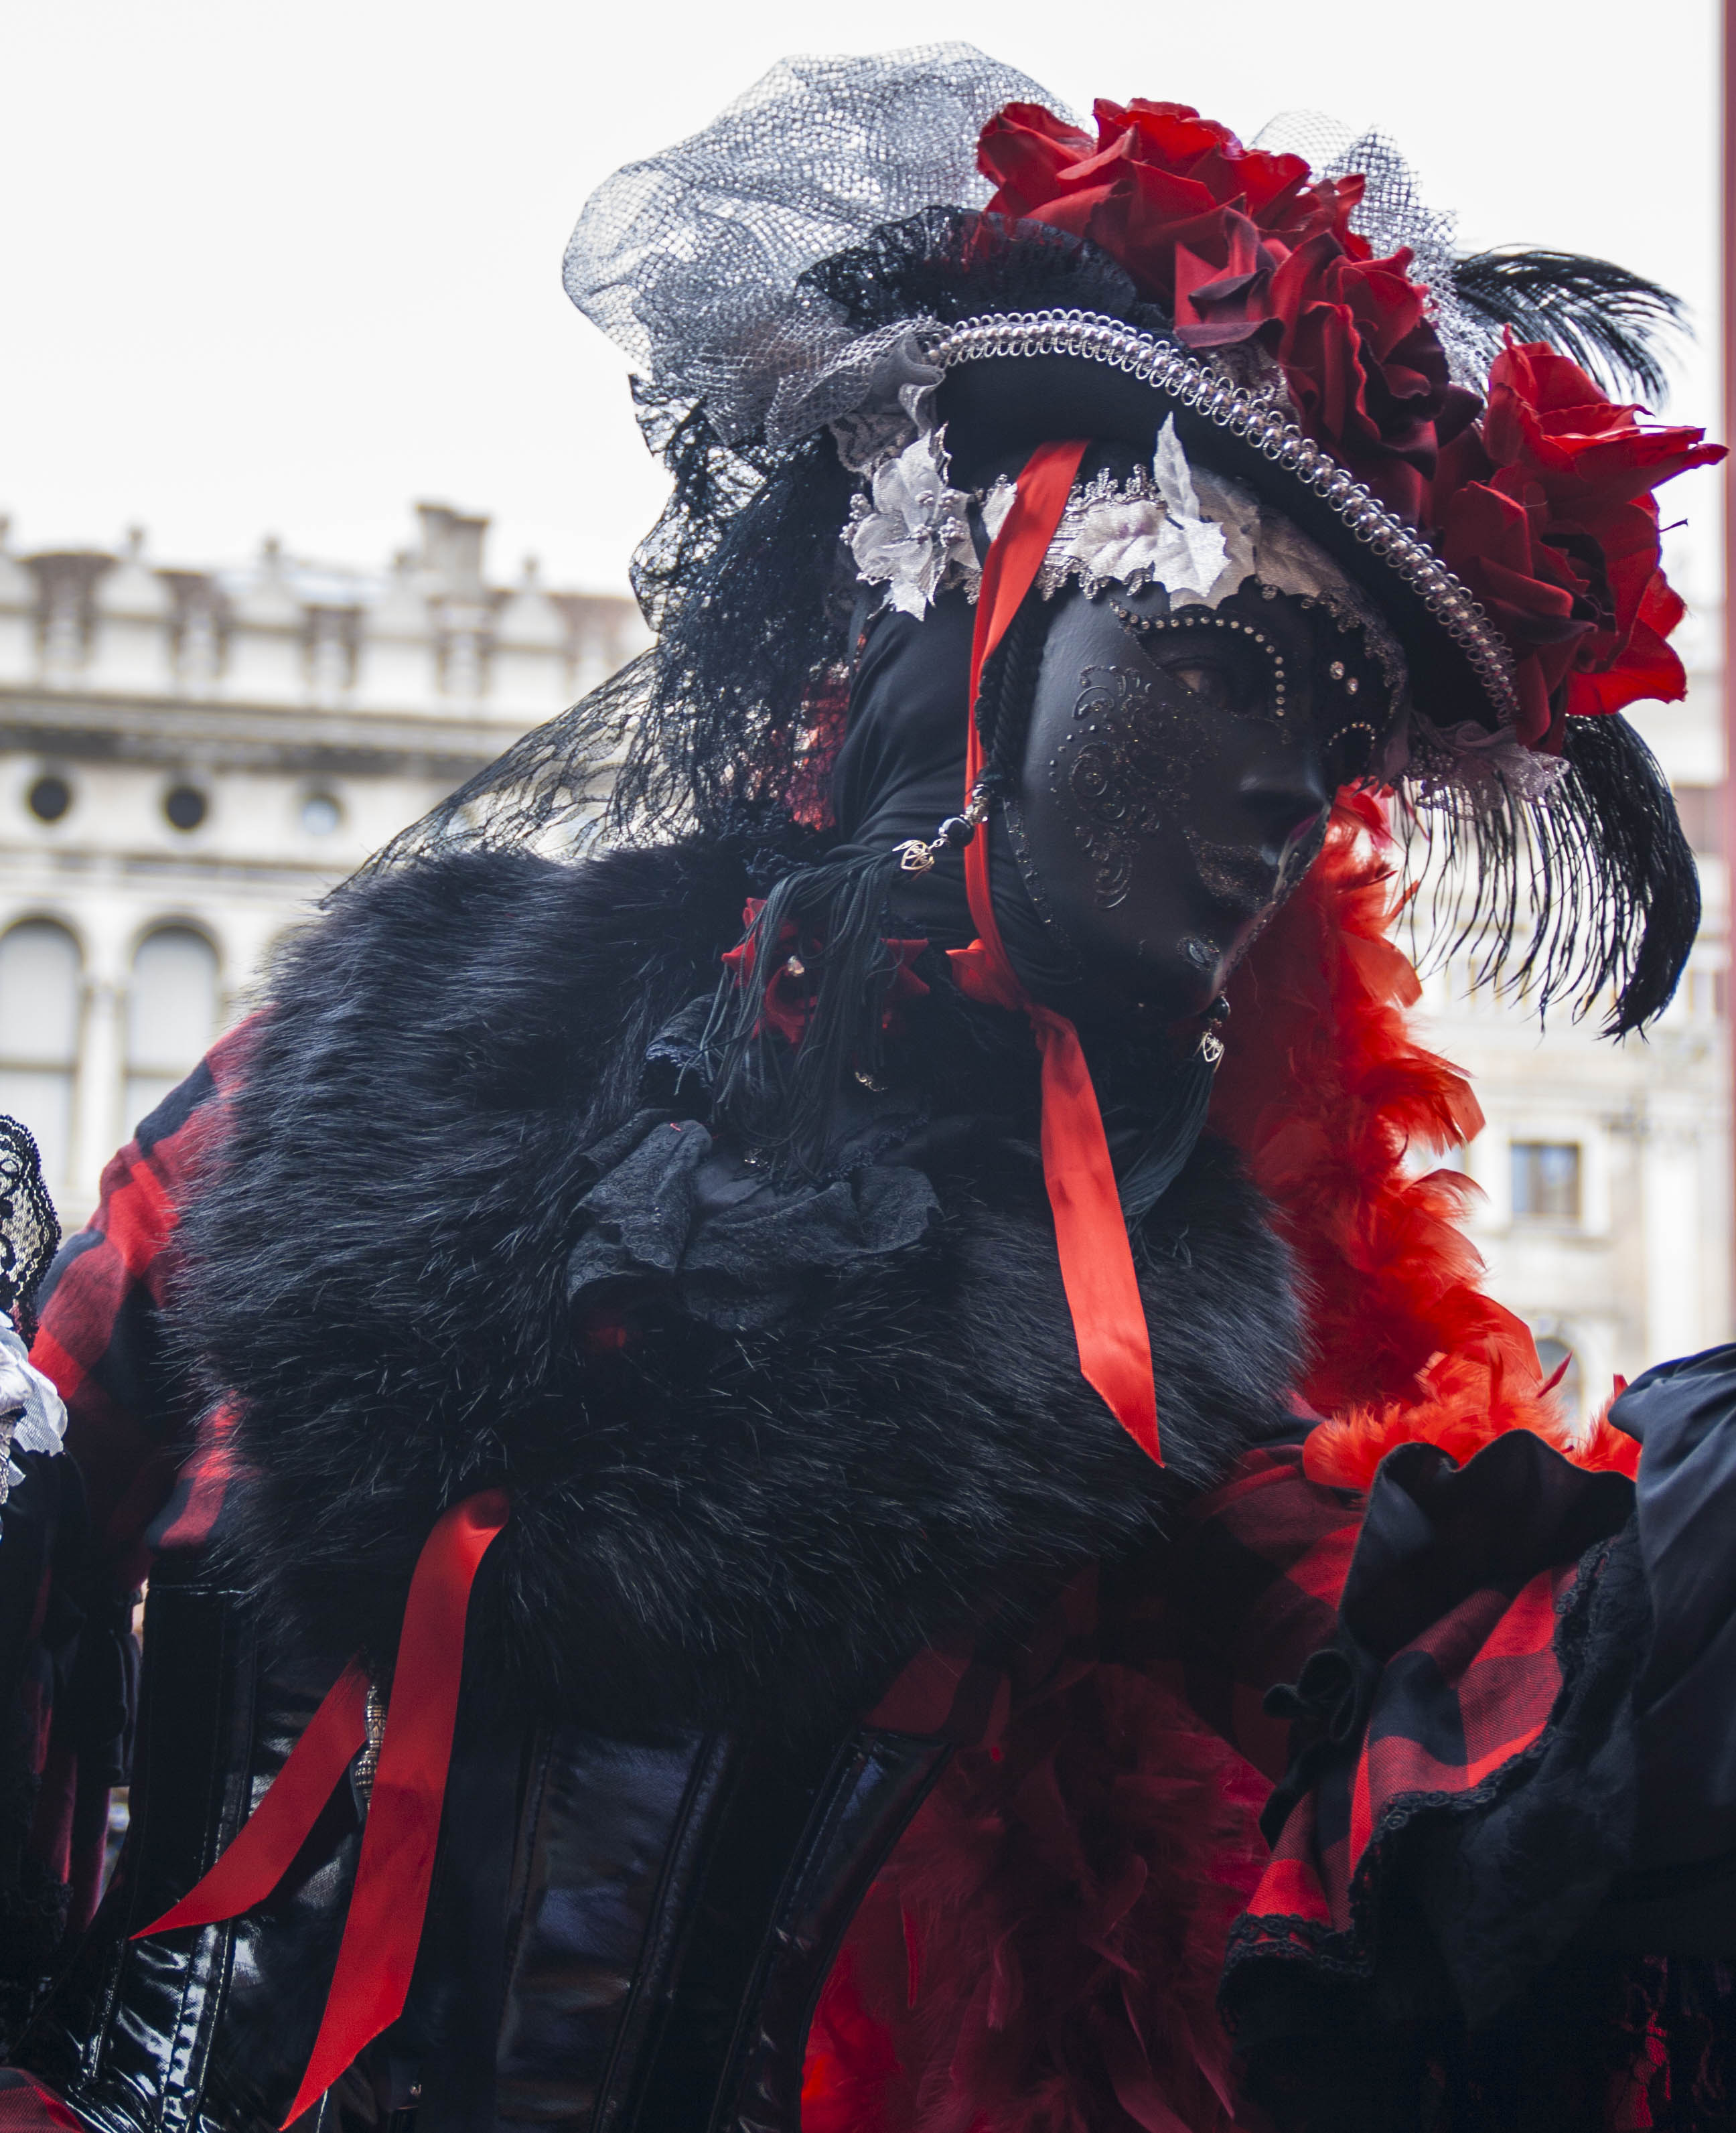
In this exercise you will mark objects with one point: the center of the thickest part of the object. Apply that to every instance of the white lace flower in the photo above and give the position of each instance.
(1469, 758)
(915, 532)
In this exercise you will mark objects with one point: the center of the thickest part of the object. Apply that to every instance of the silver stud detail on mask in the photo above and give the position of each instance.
(1192, 617)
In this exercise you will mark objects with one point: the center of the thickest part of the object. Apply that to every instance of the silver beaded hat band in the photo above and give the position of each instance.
(1255, 434)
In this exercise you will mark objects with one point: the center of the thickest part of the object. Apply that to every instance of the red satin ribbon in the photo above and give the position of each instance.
(390, 1899)
(254, 1864)
(1091, 1232)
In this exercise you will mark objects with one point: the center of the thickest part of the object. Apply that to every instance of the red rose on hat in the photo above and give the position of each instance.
(1238, 244)
(1545, 510)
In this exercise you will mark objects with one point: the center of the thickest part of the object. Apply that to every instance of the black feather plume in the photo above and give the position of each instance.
(1609, 321)
(1590, 896)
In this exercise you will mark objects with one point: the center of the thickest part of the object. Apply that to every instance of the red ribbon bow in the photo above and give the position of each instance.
(1091, 1232)
(390, 1897)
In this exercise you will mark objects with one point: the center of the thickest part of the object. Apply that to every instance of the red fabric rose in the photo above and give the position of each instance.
(1175, 198)
(1238, 244)
(1546, 512)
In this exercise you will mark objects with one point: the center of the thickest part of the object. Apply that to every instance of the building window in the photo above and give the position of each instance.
(1546, 1180)
(320, 814)
(50, 797)
(1701, 810)
(40, 987)
(1555, 1355)
(185, 806)
(171, 1014)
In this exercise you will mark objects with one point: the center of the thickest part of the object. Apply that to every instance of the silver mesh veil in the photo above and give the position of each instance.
(690, 261)
(1394, 213)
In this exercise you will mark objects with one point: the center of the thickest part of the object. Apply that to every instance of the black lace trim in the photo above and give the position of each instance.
(30, 1230)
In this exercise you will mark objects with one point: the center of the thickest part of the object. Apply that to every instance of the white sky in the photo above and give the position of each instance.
(285, 268)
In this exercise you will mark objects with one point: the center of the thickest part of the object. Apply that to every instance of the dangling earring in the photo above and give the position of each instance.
(1176, 1129)
(1211, 1041)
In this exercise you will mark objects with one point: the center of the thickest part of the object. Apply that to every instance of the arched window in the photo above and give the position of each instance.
(171, 1014)
(39, 1039)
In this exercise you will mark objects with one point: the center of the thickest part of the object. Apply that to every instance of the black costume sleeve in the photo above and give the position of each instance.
(1680, 1892)
(1500, 1846)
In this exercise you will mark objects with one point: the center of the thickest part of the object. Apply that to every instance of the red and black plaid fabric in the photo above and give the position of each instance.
(26, 2106)
(1249, 1591)
(1472, 1692)
(1415, 1634)
(100, 1336)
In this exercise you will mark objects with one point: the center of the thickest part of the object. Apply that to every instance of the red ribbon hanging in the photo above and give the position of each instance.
(1091, 1232)
(390, 1899)
(253, 1865)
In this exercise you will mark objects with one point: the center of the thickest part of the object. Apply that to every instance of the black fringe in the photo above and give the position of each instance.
(786, 1100)
(1608, 320)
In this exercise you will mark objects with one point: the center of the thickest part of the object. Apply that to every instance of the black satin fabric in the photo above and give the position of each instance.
(1684, 1413)
(208, 2027)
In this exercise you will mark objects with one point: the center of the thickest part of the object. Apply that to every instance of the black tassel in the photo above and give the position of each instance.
(1174, 1132)
(835, 917)
(1608, 320)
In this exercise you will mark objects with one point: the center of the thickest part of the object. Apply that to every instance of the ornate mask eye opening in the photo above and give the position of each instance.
(1225, 662)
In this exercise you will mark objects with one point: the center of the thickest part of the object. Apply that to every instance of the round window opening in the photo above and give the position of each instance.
(50, 797)
(185, 806)
(321, 814)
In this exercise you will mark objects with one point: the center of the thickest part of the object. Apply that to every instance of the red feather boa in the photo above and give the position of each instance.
(1326, 1108)
(1041, 1954)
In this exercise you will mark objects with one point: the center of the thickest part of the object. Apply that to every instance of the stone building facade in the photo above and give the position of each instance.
(190, 758)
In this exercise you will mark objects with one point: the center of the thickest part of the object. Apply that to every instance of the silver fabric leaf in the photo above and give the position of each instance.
(914, 536)
(1151, 534)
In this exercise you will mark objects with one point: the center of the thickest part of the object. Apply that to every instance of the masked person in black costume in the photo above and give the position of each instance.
(808, 1457)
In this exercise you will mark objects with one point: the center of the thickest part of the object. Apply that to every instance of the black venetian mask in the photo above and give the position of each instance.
(1176, 772)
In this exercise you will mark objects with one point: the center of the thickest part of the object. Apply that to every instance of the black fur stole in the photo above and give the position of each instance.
(705, 1521)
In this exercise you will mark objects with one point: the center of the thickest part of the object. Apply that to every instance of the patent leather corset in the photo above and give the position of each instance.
(621, 1934)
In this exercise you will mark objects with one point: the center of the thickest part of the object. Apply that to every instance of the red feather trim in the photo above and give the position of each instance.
(1466, 1405)
(1042, 1953)
(1326, 1106)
